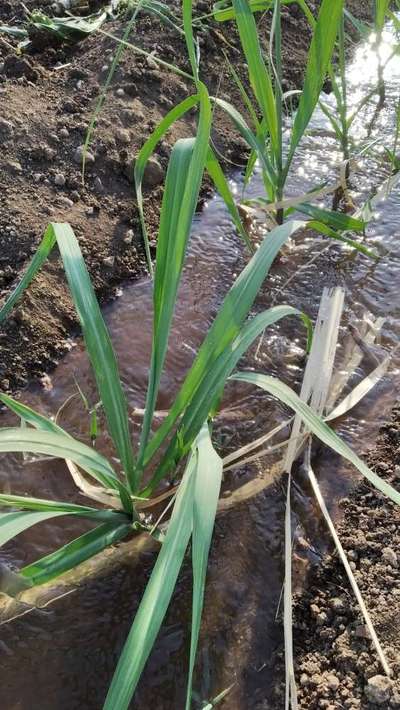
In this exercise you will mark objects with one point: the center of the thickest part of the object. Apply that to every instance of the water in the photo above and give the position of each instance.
(66, 652)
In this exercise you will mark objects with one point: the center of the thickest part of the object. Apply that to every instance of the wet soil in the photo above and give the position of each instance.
(47, 100)
(337, 666)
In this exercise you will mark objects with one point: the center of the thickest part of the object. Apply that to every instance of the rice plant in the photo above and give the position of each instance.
(184, 439)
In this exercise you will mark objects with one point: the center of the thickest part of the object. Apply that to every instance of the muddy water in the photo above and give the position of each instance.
(63, 655)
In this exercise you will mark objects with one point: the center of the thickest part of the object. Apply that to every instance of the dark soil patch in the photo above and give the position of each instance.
(337, 666)
(47, 100)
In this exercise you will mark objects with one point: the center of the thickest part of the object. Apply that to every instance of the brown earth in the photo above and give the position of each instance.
(48, 96)
(337, 666)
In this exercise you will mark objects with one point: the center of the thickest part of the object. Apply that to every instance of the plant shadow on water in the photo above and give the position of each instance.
(68, 650)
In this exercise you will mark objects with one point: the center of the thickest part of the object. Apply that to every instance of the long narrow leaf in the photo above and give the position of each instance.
(210, 387)
(319, 57)
(318, 427)
(216, 173)
(94, 331)
(146, 151)
(336, 220)
(329, 232)
(188, 28)
(64, 447)
(206, 494)
(252, 140)
(42, 505)
(156, 598)
(29, 416)
(99, 348)
(258, 72)
(349, 572)
(227, 324)
(75, 552)
(12, 524)
(381, 8)
(181, 194)
(42, 253)
(222, 13)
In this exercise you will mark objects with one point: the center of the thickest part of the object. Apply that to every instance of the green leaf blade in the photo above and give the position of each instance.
(99, 347)
(42, 253)
(258, 72)
(206, 495)
(319, 57)
(317, 426)
(185, 172)
(14, 440)
(156, 598)
(75, 552)
(226, 326)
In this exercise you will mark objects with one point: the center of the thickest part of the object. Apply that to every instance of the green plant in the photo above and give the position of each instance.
(344, 114)
(196, 501)
(381, 8)
(187, 429)
(265, 79)
(265, 138)
(186, 425)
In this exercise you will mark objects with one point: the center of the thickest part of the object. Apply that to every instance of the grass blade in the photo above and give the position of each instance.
(318, 427)
(381, 8)
(329, 232)
(252, 140)
(41, 505)
(258, 72)
(42, 253)
(114, 64)
(290, 681)
(96, 337)
(314, 389)
(185, 172)
(12, 524)
(361, 390)
(349, 572)
(29, 416)
(75, 552)
(223, 13)
(319, 57)
(208, 390)
(336, 220)
(206, 495)
(217, 175)
(188, 28)
(38, 421)
(156, 598)
(65, 447)
(146, 151)
(99, 348)
(227, 324)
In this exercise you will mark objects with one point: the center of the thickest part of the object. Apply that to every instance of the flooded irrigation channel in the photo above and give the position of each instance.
(59, 647)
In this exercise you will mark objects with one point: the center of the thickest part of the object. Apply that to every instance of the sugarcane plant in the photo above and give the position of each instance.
(268, 109)
(183, 442)
(342, 115)
(267, 112)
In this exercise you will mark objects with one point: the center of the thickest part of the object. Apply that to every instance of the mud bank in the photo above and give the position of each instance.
(47, 100)
(337, 666)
